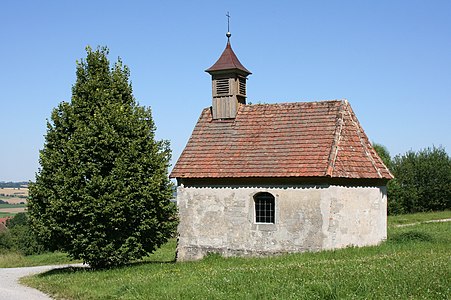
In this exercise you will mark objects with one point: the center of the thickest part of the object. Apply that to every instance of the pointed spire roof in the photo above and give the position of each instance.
(228, 61)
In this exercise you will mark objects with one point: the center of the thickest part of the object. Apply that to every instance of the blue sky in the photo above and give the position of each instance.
(390, 59)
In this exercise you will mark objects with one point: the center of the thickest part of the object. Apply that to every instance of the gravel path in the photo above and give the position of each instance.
(10, 289)
(423, 222)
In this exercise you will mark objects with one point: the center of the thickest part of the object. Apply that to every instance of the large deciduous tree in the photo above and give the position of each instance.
(102, 192)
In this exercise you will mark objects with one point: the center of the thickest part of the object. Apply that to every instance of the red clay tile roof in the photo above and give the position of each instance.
(3, 223)
(228, 61)
(312, 139)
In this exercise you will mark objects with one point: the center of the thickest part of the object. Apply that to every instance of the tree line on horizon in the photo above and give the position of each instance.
(13, 184)
(422, 180)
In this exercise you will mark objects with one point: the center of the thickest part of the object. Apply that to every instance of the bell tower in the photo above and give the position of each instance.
(228, 83)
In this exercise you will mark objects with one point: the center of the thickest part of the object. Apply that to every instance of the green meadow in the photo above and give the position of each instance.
(15, 260)
(414, 263)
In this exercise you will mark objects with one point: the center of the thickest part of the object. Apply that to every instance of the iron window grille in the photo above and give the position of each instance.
(264, 208)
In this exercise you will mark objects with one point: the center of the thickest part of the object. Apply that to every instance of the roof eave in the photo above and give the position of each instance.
(213, 71)
(227, 181)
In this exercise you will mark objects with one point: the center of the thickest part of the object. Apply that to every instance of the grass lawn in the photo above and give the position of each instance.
(414, 263)
(418, 217)
(14, 260)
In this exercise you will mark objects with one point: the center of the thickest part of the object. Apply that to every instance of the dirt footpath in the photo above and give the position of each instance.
(10, 289)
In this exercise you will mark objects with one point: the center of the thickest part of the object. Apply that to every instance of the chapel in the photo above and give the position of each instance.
(276, 178)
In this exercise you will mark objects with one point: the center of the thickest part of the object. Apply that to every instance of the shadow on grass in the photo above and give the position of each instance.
(410, 236)
(76, 269)
(66, 270)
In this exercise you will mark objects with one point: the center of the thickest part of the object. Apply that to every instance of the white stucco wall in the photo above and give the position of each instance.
(308, 218)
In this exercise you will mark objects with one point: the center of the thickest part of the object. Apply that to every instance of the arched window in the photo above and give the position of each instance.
(264, 208)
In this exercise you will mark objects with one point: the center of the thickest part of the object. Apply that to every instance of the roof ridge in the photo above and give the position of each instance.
(297, 103)
(362, 141)
(337, 134)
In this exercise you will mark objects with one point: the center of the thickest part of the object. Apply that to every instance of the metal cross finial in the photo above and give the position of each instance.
(228, 34)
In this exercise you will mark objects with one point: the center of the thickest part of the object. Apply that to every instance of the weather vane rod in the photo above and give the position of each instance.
(228, 34)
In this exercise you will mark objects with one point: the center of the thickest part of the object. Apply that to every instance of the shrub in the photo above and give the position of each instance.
(423, 181)
(18, 236)
(6, 243)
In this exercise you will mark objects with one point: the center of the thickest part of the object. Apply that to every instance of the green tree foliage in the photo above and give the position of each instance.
(423, 181)
(5, 241)
(384, 154)
(393, 205)
(18, 219)
(19, 237)
(102, 192)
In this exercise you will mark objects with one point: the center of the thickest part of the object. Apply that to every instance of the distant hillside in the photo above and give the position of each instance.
(10, 184)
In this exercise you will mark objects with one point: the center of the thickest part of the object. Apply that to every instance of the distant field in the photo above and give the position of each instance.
(14, 195)
(13, 200)
(12, 205)
(5, 214)
(14, 191)
(11, 209)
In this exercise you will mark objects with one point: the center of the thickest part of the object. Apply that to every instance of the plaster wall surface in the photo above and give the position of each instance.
(307, 218)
